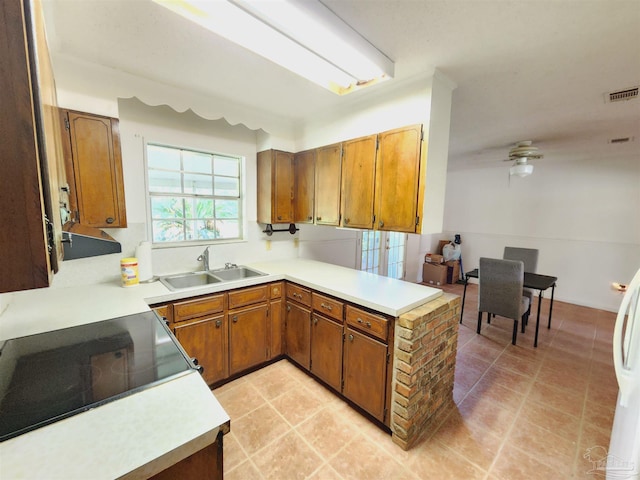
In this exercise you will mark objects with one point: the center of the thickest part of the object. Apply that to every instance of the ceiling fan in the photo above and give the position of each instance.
(520, 155)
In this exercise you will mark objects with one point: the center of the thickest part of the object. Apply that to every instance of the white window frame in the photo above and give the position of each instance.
(383, 254)
(242, 225)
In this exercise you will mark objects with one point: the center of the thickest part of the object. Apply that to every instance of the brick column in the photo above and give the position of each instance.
(424, 363)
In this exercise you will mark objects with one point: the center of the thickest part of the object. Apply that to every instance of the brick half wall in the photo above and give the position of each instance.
(424, 363)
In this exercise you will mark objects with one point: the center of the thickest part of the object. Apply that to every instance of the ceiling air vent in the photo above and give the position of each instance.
(620, 140)
(622, 95)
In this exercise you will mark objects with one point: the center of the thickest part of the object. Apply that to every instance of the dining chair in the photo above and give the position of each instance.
(500, 292)
(529, 256)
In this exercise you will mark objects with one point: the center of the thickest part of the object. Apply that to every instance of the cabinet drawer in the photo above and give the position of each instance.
(198, 308)
(367, 322)
(248, 296)
(299, 294)
(276, 289)
(327, 306)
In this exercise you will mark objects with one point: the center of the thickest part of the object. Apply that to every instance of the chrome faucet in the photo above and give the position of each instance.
(204, 258)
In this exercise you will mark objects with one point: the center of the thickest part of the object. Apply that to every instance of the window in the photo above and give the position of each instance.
(383, 253)
(193, 196)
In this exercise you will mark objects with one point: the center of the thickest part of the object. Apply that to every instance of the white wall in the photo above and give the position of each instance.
(583, 217)
(140, 123)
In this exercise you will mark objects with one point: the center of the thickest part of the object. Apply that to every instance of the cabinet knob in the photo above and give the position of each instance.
(288, 308)
(318, 218)
(235, 319)
(381, 224)
(350, 338)
(110, 220)
(315, 320)
(279, 217)
(346, 221)
(309, 218)
(218, 323)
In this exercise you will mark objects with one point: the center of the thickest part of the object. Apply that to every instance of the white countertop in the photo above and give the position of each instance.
(36, 311)
(134, 437)
(139, 428)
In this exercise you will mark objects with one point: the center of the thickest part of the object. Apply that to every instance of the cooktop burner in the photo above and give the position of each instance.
(53, 375)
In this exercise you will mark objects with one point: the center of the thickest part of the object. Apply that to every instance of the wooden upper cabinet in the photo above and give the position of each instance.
(328, 176)
(94, 169)
(304, 186)
(30, 215)
(275, 187)
(399, 165)
(358, 180)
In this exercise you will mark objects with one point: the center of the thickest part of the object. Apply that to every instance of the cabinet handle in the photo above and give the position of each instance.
(346, 221)
(318, 218)
(309, 217)
(218, 323)
(234, 318)
(279, 217)
(381, 224)
(315, 321)
(359, 320)
(110, 220)
(288, 308)
(368, 324)
(350, 338)
(328, 307)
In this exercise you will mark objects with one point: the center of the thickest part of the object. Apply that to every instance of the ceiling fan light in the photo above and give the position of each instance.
(521, 170)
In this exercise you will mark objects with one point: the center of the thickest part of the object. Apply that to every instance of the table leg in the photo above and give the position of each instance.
(535, 341)
(553, 289)
(464, 295)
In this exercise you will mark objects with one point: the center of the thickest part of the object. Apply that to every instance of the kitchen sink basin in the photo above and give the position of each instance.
(236, 273)
(180, 281)
(189, 280)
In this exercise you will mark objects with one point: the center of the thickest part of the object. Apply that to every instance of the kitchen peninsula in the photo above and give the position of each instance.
(420, 385)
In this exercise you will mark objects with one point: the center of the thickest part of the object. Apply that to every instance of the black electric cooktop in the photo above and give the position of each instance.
(53, 375)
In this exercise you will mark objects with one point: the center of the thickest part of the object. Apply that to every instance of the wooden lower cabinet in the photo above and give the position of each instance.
(248, 337)
(205, 464)
(277, 328)
(206, 339)
(298, 334)
(365, 372)
(326, 350)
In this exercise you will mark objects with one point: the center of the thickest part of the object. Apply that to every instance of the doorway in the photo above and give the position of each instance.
(382, 253)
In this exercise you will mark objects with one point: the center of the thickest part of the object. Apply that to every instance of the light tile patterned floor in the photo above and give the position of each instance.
(521, 413)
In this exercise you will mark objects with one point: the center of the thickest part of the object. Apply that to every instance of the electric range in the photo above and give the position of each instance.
(50, 376)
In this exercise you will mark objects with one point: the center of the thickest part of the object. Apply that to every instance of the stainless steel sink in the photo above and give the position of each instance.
(236, 273)
(181, 281)
(188, 280)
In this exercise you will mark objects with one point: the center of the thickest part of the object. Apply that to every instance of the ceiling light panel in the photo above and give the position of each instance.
(303, 37)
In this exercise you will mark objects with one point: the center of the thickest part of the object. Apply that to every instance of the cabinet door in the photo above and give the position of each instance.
(398, 179)
(277, 328)
(365, 372)
(326, 350)
(358, 178)
(95, 164)
(303, 195)
(275, 187)
(328, 175)
(298, 334)
(206, 340)
(27, 166)
(248, 335)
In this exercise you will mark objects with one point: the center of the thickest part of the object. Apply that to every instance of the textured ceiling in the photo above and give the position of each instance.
(526, 70)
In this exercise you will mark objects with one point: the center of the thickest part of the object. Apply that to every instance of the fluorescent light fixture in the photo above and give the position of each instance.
(303, 36)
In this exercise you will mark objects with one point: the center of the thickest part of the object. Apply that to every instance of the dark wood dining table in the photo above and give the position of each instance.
(534, 281)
